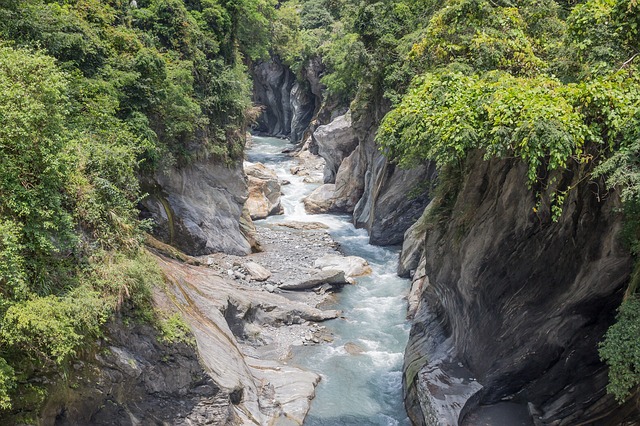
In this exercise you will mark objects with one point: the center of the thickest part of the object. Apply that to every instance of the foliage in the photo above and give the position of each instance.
(174, 329)
(446, 114)
(92, 95)
(552, 84)
(621, 350)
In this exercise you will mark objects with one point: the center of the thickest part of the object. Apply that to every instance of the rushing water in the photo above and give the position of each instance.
(362, 389)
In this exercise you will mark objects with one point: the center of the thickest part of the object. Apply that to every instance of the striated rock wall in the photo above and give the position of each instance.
(382, 198)
(197, 208)
(510, 306)
(288, 104)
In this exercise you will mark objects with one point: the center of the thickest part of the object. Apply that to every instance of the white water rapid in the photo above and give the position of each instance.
(365, 388)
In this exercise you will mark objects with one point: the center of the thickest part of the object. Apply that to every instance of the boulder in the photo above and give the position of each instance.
(257, 271)
(352, 266)
(264, 191)
(335, 142)
(353, 348)
(327, 276)
(320, 200)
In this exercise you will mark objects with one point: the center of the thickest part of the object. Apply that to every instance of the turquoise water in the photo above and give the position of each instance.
(362, 389)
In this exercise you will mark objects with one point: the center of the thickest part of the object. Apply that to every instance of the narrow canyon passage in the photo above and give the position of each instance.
(361, 369)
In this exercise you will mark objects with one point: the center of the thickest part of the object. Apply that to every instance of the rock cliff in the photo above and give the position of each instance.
(382, 198)
(288, 104)
(197, 207)
(508, 305)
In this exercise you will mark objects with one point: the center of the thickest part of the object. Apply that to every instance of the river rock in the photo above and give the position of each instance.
(306, 226)
(327, 276)
(320, 200)
(218, 311)
(286, 389)
(335, 142)
(353, 348)
(257, 271)
(352, 266)
(264, 191)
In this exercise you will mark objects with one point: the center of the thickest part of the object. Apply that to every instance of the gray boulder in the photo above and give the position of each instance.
(320, 200)
(335, 142)
(257, 271)
(328, 276)
(352, 266)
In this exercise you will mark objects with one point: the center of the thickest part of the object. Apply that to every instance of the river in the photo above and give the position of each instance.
(366, 388)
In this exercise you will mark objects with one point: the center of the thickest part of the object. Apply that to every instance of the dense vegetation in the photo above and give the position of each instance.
(92, 95)
(552, 83)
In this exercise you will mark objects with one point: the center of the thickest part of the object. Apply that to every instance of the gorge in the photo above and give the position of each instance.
(319, 212)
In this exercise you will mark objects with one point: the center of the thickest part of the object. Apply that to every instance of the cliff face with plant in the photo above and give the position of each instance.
(515, 300)
(529, 112)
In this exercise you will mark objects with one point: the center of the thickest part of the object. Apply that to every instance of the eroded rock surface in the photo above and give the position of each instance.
(519, 300)
(289, 105)
(231, 324)
(197, 207)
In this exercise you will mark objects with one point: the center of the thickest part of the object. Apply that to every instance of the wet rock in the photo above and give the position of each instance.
(264, 191)
(328, 276)
(352, 266)
(320, 200)
(335, 142)
(353, 348)
(257, 271)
